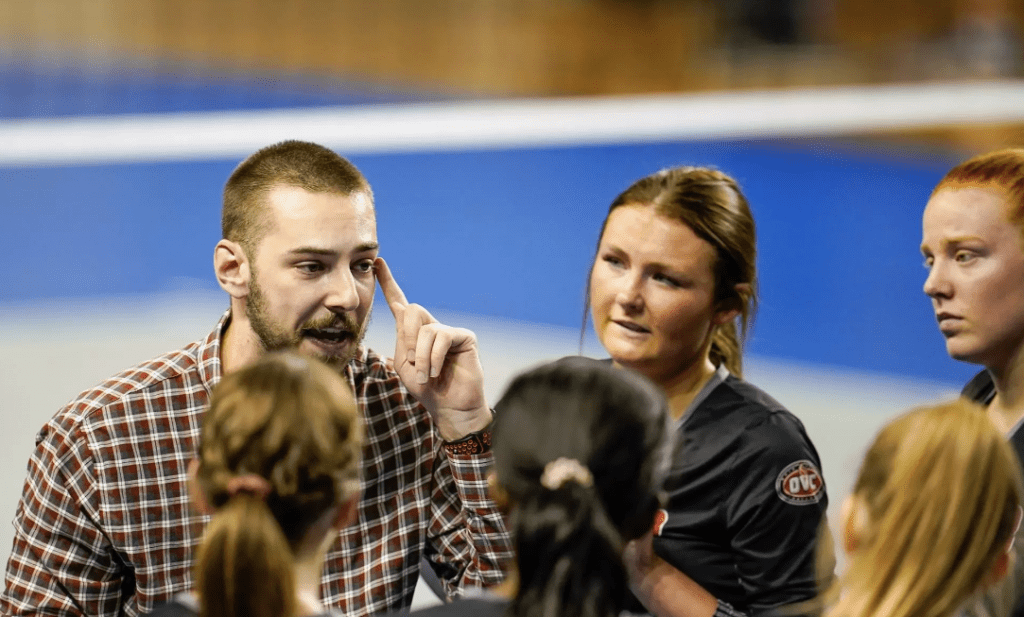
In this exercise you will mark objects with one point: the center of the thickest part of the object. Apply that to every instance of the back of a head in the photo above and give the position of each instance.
(934, 506)
(581, 448)
(280, 449)
(293, 163)
(711, 204)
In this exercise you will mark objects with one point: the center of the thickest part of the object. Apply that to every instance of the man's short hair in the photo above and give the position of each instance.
(289, 163)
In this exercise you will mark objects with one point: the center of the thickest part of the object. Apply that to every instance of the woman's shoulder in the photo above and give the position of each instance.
(771, 447)
(746, 405)
(753, 396)
(181, 605)
(763, 424)
(480, 606)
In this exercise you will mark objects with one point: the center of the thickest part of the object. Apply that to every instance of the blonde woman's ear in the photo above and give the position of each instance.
(1006, 557)
(999, 569)
(850, 523)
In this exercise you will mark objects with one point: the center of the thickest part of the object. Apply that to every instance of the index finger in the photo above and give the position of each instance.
(388, 285)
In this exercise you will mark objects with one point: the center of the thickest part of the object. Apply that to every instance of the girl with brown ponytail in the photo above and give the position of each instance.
(278, 470)
(672, 288)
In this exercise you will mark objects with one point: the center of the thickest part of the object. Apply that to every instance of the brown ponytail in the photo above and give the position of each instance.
(245, 550)
(727, 349)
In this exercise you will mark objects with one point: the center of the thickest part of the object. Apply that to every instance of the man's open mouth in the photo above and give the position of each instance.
(328, 335)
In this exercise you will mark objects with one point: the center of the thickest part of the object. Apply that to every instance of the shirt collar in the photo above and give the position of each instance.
(209, 353)
(717, 378)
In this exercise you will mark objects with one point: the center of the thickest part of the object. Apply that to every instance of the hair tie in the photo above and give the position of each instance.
(561, 470)
(249, 483)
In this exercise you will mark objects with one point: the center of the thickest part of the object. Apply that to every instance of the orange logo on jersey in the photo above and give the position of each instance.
(660, 518)
(800, 484)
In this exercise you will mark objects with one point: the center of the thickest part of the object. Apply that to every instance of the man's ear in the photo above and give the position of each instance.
(731, 307)
(231, 265)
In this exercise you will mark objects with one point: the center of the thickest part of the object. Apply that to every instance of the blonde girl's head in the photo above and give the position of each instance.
(278, 461)
(931, 517)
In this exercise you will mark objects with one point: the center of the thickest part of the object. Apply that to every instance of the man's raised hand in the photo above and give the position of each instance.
(438, 364)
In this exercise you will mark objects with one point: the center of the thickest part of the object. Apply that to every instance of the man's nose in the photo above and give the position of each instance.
(343, 294)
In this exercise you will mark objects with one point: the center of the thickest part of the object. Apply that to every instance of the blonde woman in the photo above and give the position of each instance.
(932, 516)
(277, 469)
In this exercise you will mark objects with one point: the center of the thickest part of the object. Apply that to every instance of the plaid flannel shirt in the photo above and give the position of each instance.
(104, 525)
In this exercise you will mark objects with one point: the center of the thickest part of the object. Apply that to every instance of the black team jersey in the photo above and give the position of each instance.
(994, 603)
(745, 499)
(981, 389)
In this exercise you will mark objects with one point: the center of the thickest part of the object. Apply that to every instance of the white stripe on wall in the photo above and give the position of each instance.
(511, 123)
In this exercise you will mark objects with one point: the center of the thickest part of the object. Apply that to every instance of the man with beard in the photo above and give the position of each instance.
(104, 525)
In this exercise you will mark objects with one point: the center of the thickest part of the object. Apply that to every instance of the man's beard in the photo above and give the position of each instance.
(274, 339)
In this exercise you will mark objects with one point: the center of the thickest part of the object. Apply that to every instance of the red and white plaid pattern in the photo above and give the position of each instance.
(105, 500)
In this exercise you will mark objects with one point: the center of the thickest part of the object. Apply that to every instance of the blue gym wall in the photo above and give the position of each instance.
(506, 233)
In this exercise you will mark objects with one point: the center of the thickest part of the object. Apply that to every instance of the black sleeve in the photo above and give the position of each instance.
(774, 513)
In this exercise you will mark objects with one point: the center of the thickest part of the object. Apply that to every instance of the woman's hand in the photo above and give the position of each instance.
(662, 589)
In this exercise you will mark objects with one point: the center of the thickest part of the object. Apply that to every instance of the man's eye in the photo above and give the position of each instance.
(928, 262)
(363, 267)
(310, 267)
(963, 256)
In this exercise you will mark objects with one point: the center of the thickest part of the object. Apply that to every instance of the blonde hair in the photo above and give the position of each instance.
(936, 503)
(292, 421)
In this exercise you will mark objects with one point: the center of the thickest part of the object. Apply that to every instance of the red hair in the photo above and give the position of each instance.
(1002, 169)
